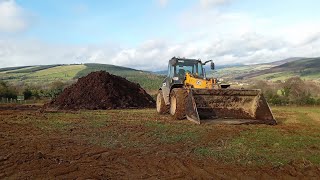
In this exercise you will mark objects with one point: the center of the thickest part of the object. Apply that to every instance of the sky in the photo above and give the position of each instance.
(145, 34)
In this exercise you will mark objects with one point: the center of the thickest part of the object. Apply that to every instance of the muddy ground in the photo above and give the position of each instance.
(135, 144)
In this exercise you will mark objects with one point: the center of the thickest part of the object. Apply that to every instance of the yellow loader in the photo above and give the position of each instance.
(186, 92)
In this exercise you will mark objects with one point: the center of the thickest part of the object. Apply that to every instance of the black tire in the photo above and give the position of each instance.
(178, 103)
(162, 108)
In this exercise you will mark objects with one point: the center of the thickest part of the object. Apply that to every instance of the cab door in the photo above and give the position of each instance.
(166, 84)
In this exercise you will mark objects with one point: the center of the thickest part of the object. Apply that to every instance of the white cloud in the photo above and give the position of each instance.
(163, 3)
(212, 3)
(15, 52)
(249, 48)
(12, 17)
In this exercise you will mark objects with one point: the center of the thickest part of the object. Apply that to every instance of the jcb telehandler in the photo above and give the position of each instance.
(186, 92)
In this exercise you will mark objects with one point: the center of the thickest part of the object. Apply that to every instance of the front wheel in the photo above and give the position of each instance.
(162, 108)
(178, 103)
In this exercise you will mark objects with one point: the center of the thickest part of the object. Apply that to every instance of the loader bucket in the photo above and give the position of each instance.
(228, 106)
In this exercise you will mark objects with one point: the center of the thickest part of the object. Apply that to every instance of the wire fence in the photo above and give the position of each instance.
(12, 101)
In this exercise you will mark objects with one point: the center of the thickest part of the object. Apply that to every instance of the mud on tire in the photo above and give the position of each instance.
(178, 103)
(162, 108)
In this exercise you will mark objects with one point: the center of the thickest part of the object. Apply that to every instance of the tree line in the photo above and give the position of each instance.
(35, 92)
(291, 91)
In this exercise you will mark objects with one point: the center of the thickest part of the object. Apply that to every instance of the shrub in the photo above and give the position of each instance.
(6, 91)
(27, 93)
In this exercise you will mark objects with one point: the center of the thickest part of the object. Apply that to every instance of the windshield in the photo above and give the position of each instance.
(182, 67)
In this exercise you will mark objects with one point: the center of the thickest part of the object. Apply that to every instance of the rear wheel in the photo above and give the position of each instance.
(178, 103)
(162, 108)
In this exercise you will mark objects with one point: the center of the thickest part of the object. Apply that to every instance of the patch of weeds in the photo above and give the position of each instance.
(157, 125)
(98, 123)
(203, 151)
(53, 125)
(56, 121)
(266, 146)
(314, 158)
(304, 118)
(135, 114)
(178, 137)
(303, 115)
(20, 119)
(167, 133)
(94, 119)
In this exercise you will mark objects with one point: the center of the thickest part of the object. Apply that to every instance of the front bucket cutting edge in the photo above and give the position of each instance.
(230, 106)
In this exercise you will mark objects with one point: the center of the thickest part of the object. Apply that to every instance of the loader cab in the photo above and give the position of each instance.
(178, 68)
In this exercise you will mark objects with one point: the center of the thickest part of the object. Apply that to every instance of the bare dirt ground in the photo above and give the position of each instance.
(139, 144)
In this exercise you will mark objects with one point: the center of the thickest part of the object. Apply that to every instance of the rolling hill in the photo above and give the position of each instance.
(42, 75)
(306, 68)
(278, 63)
(46, 74)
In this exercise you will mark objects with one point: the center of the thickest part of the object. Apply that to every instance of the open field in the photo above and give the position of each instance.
(121, 144)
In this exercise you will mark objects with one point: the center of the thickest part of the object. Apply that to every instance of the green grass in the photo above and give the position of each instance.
(167, 133)
(296, 138)
(276, 76)
(56, 122)
(267, 146)
(60, 71)
(286, 75)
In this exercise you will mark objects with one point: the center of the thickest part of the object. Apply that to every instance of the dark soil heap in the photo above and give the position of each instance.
(101, 90)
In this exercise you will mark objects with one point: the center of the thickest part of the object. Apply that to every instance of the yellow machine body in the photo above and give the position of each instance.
(198, 83)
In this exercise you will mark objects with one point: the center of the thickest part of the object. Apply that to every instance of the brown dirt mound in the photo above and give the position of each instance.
(101, 90)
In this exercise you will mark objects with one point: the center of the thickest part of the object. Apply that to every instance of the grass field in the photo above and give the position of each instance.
(296, 138)
(144, 137)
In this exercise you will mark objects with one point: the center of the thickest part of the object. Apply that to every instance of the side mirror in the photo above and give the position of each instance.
(212, 65)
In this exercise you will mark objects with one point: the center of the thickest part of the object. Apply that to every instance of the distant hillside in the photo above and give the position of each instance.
(7, 69)
(278, 63)
(308, 68)
(230, 73)
(42, 75)
(164, 72)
